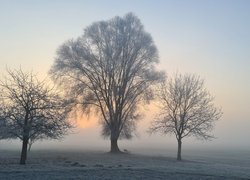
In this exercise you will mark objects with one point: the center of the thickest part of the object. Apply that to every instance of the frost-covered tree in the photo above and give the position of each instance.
(187, 109)
(110, 68)
(30, 110)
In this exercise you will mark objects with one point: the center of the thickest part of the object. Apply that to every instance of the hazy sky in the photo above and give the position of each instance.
(210, 38)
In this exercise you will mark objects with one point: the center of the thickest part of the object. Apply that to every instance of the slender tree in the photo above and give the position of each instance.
(30, 110)
(186, 109)
(110, 68)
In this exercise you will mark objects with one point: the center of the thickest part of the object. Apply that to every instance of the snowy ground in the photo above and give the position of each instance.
(101, 165)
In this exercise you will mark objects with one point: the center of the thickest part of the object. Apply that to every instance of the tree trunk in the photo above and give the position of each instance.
(114, 146)
(24, 151)
(114, 138)
(179, 150)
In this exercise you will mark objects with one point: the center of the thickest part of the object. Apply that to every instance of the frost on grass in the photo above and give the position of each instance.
(86, 165)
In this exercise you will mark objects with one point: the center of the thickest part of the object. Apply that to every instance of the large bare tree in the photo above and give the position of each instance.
(187, 109)
(111, 68)
(30, 110)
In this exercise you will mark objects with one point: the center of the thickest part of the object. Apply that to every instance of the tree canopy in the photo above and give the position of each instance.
(187, 109)
(110, 68)
(31, 110)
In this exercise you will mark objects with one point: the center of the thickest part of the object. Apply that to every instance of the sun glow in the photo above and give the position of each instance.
(85, 121)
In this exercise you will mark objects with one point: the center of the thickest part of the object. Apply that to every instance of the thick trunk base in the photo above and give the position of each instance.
(114, 147)
(179, 151)
(24, 152)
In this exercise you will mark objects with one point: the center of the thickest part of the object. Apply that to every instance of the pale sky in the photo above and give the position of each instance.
(210, 38)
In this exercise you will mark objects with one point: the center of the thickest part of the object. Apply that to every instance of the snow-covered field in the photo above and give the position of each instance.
(101, 165)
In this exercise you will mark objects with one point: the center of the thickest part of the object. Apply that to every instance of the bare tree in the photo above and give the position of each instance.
(30, 110)
(110, 68)
(186, 109)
